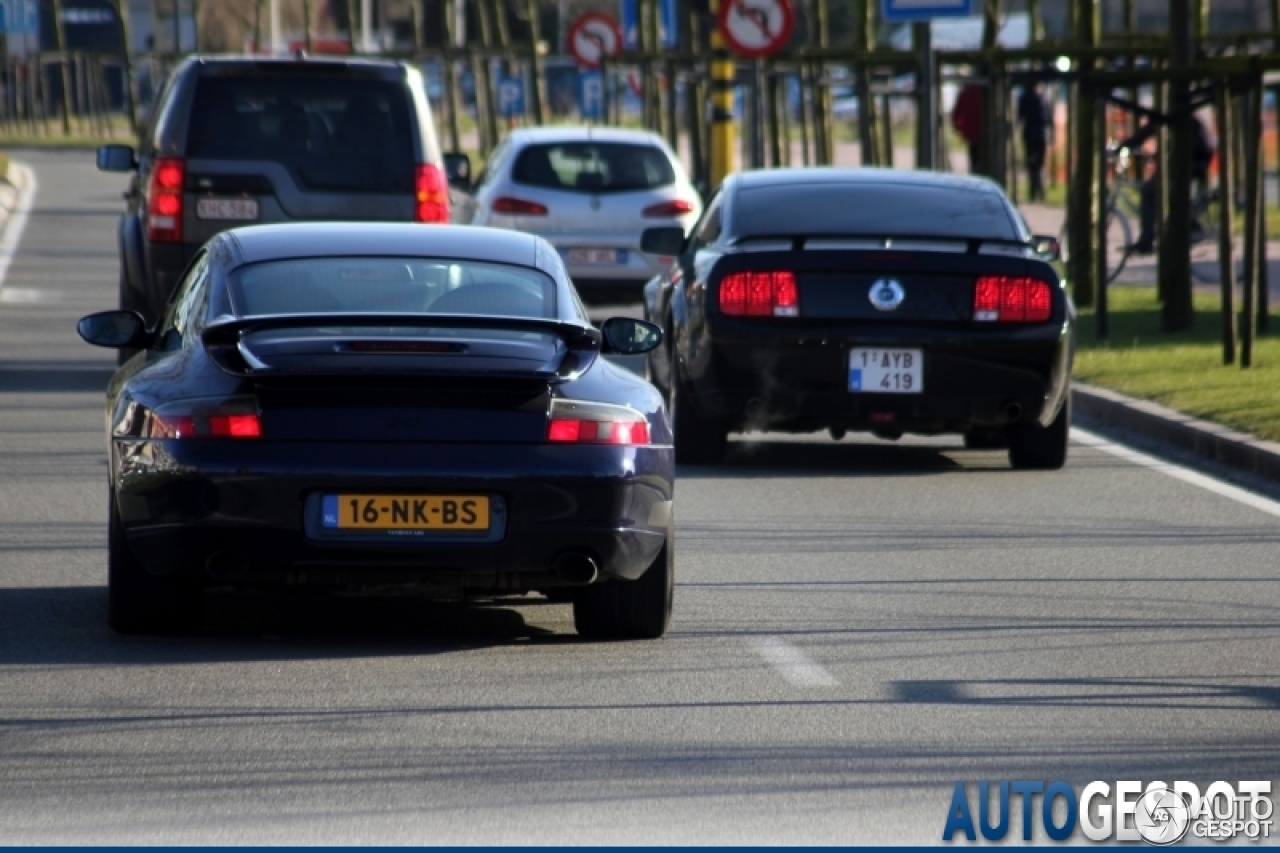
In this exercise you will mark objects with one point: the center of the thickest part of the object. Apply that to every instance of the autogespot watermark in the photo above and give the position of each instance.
(1157, 813)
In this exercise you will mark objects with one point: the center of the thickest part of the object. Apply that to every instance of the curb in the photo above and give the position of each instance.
(1237, 450)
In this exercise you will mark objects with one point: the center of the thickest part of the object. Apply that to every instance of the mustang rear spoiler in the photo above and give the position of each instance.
(874, 242)
(227, 341)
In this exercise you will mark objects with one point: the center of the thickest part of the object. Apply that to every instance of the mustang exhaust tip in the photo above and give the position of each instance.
(227, 564)
(576, 568)
(1013, 411)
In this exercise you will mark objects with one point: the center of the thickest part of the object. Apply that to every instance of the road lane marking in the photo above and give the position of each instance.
(28, 295)
(792, 664)
(17, 220)
(1187, 475)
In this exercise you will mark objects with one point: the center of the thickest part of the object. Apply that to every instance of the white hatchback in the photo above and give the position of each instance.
(590, 191)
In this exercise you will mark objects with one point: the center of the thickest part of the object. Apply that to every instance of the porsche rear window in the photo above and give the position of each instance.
(594, 167)
(876, 210)
(391, 285)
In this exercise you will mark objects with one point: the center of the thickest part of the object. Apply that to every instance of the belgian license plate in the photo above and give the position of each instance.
(240, 209)
(886, 371)
(597, 257)
(405, 512)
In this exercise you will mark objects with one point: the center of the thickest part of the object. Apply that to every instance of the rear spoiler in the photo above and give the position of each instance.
(879, 242)
(224, 340)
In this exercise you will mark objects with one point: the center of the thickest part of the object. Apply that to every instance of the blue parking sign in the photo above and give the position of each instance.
(668, 27)
(909, 11)
(511, 97)
(591, 95)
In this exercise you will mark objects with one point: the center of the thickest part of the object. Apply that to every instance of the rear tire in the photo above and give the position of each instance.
(698, 441)
(1036, 448)
(629, 610)
(137, 602)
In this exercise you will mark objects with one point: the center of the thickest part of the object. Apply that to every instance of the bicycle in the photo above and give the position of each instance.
(1123, 207)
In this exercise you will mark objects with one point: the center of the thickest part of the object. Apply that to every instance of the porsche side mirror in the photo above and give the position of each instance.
(665, 240)
(457, 169)
(628, 336)
(1047, 245)
(115, 329)
(116, 158)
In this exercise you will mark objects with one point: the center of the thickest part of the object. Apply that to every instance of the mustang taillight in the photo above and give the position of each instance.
(164, 201)
(229, 418)
(760, 294)
(668, 209)
(1011, 299)
(595, 423)
(518, 206)
(431, 190)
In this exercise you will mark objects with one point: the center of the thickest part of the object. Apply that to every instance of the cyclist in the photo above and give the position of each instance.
(1202, 151)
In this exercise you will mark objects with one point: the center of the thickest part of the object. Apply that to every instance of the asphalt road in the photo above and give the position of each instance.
(859, 625)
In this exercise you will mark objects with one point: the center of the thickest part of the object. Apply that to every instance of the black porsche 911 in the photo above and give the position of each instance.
(863, 299)
(373, 405)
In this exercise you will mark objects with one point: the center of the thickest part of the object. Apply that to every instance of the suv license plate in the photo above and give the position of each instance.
(240, 209)
(886, 371)
(598, 257)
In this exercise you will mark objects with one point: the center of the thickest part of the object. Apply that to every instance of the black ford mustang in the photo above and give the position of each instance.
(863, 299)
(368, 405)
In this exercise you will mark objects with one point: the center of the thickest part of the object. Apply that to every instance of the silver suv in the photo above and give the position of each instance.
(238, 140)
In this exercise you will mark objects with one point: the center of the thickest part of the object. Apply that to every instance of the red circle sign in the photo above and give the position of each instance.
(592, 37)
(756, 28)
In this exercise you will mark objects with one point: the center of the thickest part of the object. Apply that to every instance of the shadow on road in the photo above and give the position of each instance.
(758, 456)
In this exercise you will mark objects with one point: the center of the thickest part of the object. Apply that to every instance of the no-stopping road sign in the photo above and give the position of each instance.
(594, 36)
(756, 28)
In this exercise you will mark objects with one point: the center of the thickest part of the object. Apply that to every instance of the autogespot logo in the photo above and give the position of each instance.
(1159, 814)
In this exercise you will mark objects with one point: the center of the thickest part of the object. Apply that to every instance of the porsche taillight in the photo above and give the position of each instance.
(1011, 299)
(229, 418)
(164, 201)
(431, 194)
(596, 423)
(760, 294)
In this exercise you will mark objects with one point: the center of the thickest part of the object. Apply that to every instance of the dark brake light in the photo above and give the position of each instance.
(760, 294)
(518, 206)
(431, 191)
(164, 201)
(669, 209)
(1011, 299)
(596, 423)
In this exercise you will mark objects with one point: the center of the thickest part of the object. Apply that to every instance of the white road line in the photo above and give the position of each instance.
(28, 295)
(793, 664)
(1187, 475)
(18, 219)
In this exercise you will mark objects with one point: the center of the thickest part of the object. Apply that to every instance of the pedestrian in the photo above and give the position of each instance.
(966, 118)
(1202, 153)
(1034, 115)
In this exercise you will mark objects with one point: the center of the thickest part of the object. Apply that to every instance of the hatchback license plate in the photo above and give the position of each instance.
(405, 512)
(886, 371)
(239, 209)
(598, 257)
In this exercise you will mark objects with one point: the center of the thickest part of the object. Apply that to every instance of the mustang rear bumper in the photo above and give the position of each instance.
(802, 383)
(248, 511)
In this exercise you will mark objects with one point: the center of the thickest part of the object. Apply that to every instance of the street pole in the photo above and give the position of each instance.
(723, 70)
(1177, 313)
(275, 27)
(366, 25)
(926, 98)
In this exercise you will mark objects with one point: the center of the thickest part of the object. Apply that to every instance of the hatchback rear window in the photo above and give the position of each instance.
(393, 286)
(594, 167)
(331, 133)
(881, 209)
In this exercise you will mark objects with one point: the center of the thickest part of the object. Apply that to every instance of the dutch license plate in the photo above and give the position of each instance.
(886, 371)
(240, 209)
(598, 257)
(405, 512)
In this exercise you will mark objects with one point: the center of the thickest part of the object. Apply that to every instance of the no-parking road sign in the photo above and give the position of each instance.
(594, 36)
(756, 28)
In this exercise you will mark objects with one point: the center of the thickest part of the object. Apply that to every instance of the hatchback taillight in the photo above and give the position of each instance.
(669, 209)
(518, 206)
(760, 294)
(235, 417)
(431, 189)
(596, 423)
(1011, 299)
(164, 201)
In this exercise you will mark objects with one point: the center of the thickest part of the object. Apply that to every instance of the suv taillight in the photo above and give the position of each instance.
(760, 294)
(1011, 299)
(431, 189)
(164, 201)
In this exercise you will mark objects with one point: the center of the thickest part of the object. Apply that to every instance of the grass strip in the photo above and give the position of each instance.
(1182, 370)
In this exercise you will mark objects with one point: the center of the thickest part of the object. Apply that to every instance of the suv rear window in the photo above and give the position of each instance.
(594, 167)
(335, 133)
